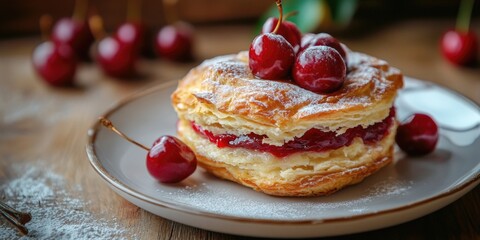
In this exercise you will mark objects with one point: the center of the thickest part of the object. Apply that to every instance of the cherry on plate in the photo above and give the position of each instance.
(417, 135)
(170, 160)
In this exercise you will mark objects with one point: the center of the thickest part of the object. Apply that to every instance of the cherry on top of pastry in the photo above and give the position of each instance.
(287, 29)
(320, 69)
(324, 39)
(169, 160)
(417, 135)
(271, 56)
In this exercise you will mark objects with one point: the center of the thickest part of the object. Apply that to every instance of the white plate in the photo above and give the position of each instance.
(407, 189)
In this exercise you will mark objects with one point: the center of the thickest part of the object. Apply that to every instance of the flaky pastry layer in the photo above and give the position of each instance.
(223, 96)
(299, 174)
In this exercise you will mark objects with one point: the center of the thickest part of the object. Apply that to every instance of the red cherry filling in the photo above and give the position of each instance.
(271, 56)
(320, 69)
(324, 39)
(418, 135)
(170, 160)
(287, 29)
(313, 140)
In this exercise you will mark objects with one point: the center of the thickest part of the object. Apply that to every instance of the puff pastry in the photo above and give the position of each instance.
(221, 99)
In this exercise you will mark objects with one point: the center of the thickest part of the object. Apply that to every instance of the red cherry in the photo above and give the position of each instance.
(271, 56)
(325, 39)
(306, 38)
(418, 135)
(170, 160)
(56, 64)
(131, 33)
(76, 34)
(460, 47)
(175, 42)
(320, 69)
(287, 29)
(116, 58)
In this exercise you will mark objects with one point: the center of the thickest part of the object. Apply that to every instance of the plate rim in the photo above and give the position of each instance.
(113, 181)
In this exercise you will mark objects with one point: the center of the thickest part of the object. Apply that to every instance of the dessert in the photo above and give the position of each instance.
(281, 139)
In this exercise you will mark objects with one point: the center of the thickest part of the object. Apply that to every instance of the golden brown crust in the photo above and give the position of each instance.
(313, 185)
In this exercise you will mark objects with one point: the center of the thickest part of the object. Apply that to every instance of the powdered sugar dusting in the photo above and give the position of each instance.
(229, 85)
(390, 187)
(56, 214)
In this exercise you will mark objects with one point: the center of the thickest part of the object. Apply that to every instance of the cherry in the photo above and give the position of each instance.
(117, 58)
(325, 39)
(271, 56)
(320, 69)
(131, 33)
(175, 42)
(460, 47)
(417, 135)
(55, 63)
(287, 29)
(306, 39)
(75, 33)
(169, 160)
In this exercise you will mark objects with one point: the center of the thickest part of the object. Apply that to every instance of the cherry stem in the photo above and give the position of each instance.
(134, 9)
(170, 11)
(96, 25)
(80, 10)
(108, 124)
(46, 26)
(280, 10)
(464, 15)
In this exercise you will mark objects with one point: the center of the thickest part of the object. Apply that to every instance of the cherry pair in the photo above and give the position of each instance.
(317, 62)
(118, 54)
(56, 60)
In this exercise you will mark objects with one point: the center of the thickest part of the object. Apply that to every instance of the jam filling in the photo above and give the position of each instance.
(313, 140)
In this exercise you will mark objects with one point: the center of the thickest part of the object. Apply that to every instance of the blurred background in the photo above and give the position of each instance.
(20, 18)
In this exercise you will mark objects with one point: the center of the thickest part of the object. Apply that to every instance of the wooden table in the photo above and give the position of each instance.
(46, 127)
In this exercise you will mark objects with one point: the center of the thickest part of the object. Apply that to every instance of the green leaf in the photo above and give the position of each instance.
(309, 17)
(342, 11)
(313, 14)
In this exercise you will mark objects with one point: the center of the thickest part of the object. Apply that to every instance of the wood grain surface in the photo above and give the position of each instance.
(41, 125)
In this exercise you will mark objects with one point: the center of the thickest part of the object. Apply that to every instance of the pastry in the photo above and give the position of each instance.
(281, 139)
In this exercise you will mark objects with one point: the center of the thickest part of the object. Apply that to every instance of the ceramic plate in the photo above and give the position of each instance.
(407, 189)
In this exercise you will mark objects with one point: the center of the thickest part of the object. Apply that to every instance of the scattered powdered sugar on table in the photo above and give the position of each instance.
(55, 213)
